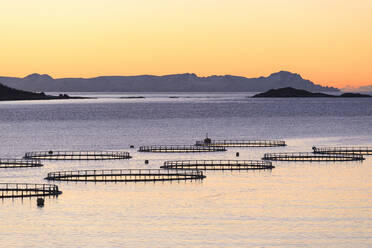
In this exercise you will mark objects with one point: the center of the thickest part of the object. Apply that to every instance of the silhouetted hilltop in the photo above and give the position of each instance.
(291, 92)
(36, 76)
(169, 83)
(10, 94)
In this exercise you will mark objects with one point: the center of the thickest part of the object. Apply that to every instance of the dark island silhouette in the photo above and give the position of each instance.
(187, 82)
(132, 97)
(292, 92)
(10, 94)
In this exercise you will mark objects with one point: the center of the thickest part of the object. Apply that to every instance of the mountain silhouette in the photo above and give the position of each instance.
(187, 82)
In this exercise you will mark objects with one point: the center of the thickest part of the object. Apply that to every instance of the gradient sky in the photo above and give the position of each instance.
(326, 41)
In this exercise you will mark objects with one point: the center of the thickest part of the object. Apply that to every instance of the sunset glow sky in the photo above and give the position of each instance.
(326, 41)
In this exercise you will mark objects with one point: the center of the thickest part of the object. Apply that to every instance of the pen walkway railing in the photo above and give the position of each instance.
(242, 143)
(77, 155)
(125, 175)
(16, 190)
(218, 165)
(308, 156)
(363, 150)
(180, 148)
(19, 163)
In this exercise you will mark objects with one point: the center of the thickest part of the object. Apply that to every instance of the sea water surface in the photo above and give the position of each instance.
(297, 204)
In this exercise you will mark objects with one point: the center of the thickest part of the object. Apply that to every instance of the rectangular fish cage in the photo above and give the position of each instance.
(125, 175)
(218, 165)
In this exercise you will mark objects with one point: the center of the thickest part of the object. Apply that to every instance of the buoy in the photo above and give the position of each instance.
(131, 146)
(237, 154)
(40, 202)
(146, 161)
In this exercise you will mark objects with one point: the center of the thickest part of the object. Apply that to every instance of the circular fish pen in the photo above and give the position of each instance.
(16, 190)
(77, 155)
(240, 143)
(19, 163)
(180, 148)
(218, 165)
(343, 150)
(125, 175)
(311, 157)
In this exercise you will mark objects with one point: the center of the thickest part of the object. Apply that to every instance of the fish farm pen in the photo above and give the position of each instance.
(14, 190)
(19, 163)
(241, 143)
(343, 150)
(218, 165)
(125, 175)
(180, 148)
(308, 156)
(77, 155)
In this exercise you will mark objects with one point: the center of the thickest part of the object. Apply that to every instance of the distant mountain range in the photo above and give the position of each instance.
(168, 83)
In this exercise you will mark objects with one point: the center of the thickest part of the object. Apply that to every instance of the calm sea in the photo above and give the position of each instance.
(297, 204)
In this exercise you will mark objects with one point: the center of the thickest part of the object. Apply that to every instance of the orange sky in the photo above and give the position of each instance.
(326, 41)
